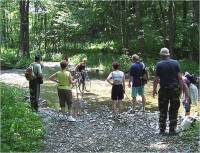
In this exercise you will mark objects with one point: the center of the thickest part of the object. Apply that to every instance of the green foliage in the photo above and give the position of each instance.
(21, 129)
(192, 134)
(11, 60)
(189, 66)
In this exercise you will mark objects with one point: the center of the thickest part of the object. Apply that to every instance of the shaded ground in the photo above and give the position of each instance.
(95, 130)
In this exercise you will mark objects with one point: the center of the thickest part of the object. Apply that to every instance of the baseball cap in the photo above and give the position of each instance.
(164, 51)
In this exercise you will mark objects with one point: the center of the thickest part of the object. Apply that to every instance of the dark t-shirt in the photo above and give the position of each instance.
(136, 73)
(167, 71)
(81, 67)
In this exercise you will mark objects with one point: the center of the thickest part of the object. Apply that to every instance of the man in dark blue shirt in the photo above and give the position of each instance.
(137, 86)
(171, 86)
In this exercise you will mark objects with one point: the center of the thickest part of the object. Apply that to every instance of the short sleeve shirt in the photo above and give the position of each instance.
(167, 71)
(136, 73)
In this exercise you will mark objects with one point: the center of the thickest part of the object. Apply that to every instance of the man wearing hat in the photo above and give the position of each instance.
(171, 86)
(137, 85)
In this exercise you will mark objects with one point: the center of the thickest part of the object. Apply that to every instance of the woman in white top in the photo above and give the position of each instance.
(117, 80)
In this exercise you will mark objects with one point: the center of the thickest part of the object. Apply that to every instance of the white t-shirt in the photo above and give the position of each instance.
(117, 76)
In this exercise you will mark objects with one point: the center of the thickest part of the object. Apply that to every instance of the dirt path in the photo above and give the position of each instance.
(96, 131)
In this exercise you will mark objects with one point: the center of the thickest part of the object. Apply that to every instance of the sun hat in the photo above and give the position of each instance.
(135, 56)
(164, 51)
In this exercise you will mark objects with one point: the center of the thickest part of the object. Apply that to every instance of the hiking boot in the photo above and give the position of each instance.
(71, 119)
(162, 133)
(131, 111)
(172, 132)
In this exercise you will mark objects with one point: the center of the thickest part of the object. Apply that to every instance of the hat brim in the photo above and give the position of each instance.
(164, 54)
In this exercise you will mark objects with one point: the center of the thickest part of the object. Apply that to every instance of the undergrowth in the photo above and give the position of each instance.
(21, 129)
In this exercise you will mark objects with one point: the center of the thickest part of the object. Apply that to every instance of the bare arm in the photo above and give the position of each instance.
(71, 80)
(52, 78)
(186, 89)
(76, 68)
(109, 78)
(180, 82)
(155, 84)
(124, 83)
(130, 80)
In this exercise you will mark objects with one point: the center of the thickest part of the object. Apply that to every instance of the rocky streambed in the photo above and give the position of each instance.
(99, 132)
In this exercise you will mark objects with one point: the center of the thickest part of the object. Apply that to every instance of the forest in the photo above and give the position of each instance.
(29, 27)
(103, 31)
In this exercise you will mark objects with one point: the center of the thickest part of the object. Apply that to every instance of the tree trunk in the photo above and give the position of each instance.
(171, 27)
(184, 41)
(140, 28)
(24, 14)
(194, 28)
(45, 28)
(124, 26)
(164, 24)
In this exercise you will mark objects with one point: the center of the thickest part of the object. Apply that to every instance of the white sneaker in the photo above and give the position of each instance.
(63, 117)
(131, 111)
(71, 119)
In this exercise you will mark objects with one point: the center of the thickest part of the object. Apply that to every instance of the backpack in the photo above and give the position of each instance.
(145, 75)
(29, 73)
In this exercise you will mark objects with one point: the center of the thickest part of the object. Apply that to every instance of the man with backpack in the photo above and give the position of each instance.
(136, 73)
(35, 81)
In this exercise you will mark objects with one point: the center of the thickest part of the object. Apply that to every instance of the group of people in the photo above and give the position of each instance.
(168, 75)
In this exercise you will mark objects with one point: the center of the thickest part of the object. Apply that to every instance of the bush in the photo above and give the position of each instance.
(11, 60)
(22, 130)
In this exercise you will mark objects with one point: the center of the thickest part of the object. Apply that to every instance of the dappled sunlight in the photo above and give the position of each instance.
(14, 77)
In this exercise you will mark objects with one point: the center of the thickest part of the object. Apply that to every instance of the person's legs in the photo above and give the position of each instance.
(34, 94)
(120, 95)
(114, 107)
(134, 95)
(141, 93)
(174, 107)
(163, 101)
(120, 106)
(61, 95)
(68, 99)
(114, 98)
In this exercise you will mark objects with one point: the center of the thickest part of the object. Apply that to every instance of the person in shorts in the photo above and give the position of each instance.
(117, 79)
(137, 85)
(64, 80)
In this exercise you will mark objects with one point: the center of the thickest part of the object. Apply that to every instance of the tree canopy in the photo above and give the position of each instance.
(122, 27)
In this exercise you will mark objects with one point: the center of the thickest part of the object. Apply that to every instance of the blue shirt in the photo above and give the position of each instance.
(167, 71)
(136, 73)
